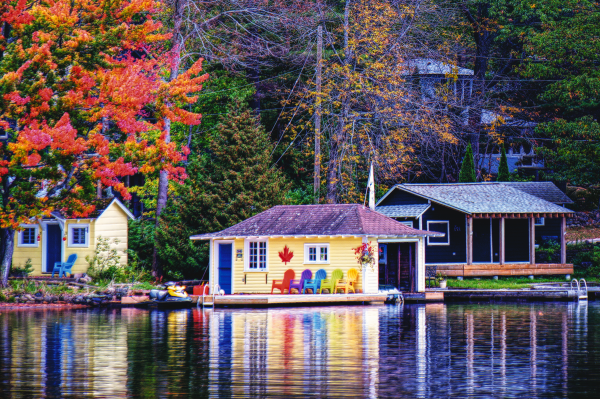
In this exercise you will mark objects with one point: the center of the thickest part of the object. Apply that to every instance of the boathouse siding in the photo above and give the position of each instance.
(455, 251)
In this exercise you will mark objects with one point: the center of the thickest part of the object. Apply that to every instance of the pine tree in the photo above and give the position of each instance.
(229, 183)
(467, 170)
(503, 172)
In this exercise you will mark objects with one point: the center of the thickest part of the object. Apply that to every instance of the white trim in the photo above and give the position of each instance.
(36, 243)
(318, 246)
(246, 255)
(447, 243)
(120, 205)
(70, 228)
(217, 263)
(391, 240)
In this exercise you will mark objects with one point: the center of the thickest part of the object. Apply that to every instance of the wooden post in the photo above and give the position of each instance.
(469, 240)
(317, 172)
(563, 240)
(532, 240)
(502, 241)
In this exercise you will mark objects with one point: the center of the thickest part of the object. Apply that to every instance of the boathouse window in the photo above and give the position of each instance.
(539, 221)
(257, 256)
(78, 235)
(28, 236)
(316, 253)
(408, 223)
(439, 226)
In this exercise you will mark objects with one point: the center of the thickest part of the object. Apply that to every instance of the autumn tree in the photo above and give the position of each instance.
(83, 102)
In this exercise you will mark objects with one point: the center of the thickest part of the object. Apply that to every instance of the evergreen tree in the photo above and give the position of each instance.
(467, 170)
(229, 183)
(503, 172)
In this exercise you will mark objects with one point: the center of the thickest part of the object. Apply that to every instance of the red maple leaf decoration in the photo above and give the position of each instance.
(287, 255)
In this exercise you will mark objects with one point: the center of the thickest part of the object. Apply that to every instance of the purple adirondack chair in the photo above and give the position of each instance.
(299, 284)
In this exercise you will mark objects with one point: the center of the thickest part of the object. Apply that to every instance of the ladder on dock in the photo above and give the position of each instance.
(580, 289)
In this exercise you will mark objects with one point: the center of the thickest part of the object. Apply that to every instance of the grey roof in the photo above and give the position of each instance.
(545, 190)
(403, 211)
(317, 220)
(483, 198)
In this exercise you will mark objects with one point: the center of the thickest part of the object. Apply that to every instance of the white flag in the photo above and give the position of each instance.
(371, 188)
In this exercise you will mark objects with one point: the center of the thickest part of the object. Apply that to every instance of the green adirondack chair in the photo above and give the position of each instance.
(330, 283)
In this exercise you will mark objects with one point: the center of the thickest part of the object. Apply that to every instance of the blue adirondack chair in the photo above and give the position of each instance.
(315, 283)
(298, 284)
(64, 267)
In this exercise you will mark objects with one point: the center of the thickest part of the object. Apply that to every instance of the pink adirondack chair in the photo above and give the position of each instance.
(284, 284)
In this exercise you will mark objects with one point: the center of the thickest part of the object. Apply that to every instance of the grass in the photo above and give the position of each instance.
(507, 282)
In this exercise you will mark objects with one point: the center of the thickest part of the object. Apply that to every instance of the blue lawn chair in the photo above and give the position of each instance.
(64, 267)
(315, 283)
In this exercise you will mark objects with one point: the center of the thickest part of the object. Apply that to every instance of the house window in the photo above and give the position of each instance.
(256, 261)
(28, 236)
(79, 235)
(440, 227)
(539, 221)
(408, 223)
(316, 253)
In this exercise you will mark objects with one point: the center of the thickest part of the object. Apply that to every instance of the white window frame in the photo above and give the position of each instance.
(85, 226)
(408, 223)
(318, 246)
(447, 237)
(543, 221)
(36, 243)
(247, 256)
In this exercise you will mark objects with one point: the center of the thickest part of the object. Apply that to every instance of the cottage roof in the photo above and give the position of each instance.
(545, 190)
(406, 211)
(317, 220)
(482, 198)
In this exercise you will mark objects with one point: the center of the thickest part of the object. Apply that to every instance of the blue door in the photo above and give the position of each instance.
(53, 246)
(225, 266)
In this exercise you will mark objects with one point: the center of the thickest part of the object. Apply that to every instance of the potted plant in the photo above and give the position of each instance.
(365, 255)
(441, 280)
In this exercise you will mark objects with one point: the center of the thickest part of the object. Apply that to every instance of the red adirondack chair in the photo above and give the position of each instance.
(284, 284)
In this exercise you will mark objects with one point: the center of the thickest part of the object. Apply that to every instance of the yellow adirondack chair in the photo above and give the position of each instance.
(330, 283)
(349, 283)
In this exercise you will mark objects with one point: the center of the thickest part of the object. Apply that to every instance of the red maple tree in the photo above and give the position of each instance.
(83, 100)
(287, 255)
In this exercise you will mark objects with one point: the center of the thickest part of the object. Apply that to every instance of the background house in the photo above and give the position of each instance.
(54, 239)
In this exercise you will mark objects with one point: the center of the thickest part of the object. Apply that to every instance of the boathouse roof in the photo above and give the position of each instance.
(481, 198)
(318, 220)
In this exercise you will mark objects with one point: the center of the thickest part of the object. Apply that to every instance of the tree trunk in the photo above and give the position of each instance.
(7, 241)
(163, 180)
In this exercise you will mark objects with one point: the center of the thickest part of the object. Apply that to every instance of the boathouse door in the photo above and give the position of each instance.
(397, 267)
(53, 246)
(225, 266)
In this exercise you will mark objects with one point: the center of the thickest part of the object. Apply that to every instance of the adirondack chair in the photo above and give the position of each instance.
(284, 284)
(63, 267)
(298, 284)
(349, 283)
(315, 283)
(330, 283)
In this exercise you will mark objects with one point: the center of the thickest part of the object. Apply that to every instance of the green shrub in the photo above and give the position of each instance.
(106, 262)
(548, 252)
(3, 297)
(18, 271)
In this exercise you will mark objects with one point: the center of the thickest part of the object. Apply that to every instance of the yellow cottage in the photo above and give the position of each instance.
(54, 239)
(247, 257)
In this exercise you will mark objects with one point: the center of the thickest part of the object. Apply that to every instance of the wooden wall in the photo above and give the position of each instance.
(456, 252)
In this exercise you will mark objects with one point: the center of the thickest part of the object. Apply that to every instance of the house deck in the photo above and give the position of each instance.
(252, 300)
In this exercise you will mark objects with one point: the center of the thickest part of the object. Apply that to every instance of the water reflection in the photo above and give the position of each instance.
(465, 350)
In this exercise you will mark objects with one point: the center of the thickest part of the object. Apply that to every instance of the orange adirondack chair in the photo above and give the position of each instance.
(349, 283)
(284, 284)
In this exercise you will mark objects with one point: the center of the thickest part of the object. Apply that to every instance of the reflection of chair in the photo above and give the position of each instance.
(298, 284)
(349, 283)
(315, 283)
(284, 284)
(430, 273)
(63, 267)
(330, 283)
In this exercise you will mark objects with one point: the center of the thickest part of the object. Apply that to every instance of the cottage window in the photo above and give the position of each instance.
(256, 256)
(78, 235)
(540, 221)
(316, 253)
(28, 236)
(439, 226)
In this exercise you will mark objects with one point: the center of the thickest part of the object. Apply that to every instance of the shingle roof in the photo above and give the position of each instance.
(483, 198)
(316, 220)
(545, 190)
(406, 211)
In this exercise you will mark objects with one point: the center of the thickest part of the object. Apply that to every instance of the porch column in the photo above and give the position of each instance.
(532, 240)
(563, 240)
(502, 240)
(469, 240)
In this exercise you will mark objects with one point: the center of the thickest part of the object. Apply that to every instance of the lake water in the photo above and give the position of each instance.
(411, 351)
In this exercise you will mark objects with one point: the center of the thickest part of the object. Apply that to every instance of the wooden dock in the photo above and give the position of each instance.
(508, 269)
(263, 300)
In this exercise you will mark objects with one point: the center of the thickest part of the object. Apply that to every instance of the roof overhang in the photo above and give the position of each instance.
(201, 237)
